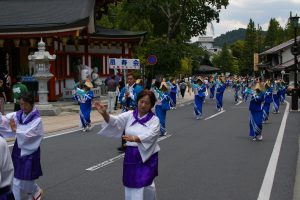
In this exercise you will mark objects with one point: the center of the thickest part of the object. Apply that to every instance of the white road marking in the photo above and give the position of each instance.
(266, 187)
(238, 103)
(116, 158)
(215, 115)
(107, 162)
(62, 133)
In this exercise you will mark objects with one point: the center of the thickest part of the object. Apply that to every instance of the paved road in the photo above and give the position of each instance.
(209, 159)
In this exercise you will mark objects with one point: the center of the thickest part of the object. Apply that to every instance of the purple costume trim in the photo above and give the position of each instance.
(137, 174)
(26, 167)
(142, 121)
(32, 115)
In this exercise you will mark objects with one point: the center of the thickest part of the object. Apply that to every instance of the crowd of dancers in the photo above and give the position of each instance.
(138, 126)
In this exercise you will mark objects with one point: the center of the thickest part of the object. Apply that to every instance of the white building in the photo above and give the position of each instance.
(207, 43)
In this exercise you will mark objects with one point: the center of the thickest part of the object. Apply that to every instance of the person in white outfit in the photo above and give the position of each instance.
(112, 93)
(142, 129)
(26, 125)
(6, 171)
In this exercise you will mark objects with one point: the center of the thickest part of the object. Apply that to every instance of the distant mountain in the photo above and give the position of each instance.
(230, 37)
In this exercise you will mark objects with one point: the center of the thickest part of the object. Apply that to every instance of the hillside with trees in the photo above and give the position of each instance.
(255, 40)
(230, 37)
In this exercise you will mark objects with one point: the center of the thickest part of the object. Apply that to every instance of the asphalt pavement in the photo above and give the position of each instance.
(206, 159)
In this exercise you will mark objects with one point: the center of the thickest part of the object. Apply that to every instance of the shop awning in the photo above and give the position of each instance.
(286, 65)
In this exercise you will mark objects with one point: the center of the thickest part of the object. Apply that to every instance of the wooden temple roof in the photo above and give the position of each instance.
(47, 16)
(102, 32)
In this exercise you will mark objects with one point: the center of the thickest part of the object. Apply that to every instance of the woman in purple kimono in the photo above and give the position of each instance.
(26, 125)
(142, 130)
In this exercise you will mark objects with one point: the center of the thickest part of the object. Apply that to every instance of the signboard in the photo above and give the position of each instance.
(255, 62)
(152, 60)
(124, 63)
(28, 79)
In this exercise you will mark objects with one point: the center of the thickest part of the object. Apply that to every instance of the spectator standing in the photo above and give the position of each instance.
(77, 71)
(182, 86)
(2, 97)
(112, 93)
(18, 89)
(121, 84)
(7, 85)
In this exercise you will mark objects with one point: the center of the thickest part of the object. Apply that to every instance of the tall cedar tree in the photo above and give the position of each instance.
(249, 50)
(274, 34)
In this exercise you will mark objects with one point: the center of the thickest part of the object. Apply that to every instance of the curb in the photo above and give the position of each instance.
(53, 131)
(95, 122)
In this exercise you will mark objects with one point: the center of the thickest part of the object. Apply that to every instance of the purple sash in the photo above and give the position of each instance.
(137, 174)
(142, 121)
(26, 167)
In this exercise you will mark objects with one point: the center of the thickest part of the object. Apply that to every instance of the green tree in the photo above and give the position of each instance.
(237, 50)
(260, 39)
(169, 23)
(274, 34)
(289, 31)
(225, 60)
(168, 55)
(175, 19)
(250, 48)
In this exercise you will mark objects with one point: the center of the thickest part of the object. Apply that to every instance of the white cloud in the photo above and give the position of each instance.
(227, 25)
(239, 12)
(295, 1)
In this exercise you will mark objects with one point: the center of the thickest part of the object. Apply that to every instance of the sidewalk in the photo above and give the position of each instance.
(69, 120)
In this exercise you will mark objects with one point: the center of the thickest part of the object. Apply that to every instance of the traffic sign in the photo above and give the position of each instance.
(152, 59)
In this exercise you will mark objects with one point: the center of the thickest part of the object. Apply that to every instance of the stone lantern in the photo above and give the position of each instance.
(42, 74)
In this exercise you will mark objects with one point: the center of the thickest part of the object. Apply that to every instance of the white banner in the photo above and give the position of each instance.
(124, 63)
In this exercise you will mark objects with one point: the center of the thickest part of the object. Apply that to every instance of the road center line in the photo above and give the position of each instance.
(116, 158)
(266, 187)
(215, 115)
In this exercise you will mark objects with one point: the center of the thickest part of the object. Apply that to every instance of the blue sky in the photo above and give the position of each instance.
(239, 12)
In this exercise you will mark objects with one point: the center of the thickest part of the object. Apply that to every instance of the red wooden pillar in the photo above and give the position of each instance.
(52, 91)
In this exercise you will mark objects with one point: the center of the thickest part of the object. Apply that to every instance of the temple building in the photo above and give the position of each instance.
(69, 30)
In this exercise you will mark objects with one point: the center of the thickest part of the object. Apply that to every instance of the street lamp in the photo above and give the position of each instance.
(294, 21)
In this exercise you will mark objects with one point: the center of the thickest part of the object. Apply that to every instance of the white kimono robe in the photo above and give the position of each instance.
(6, 165)
(147, 134)
(29, 135)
